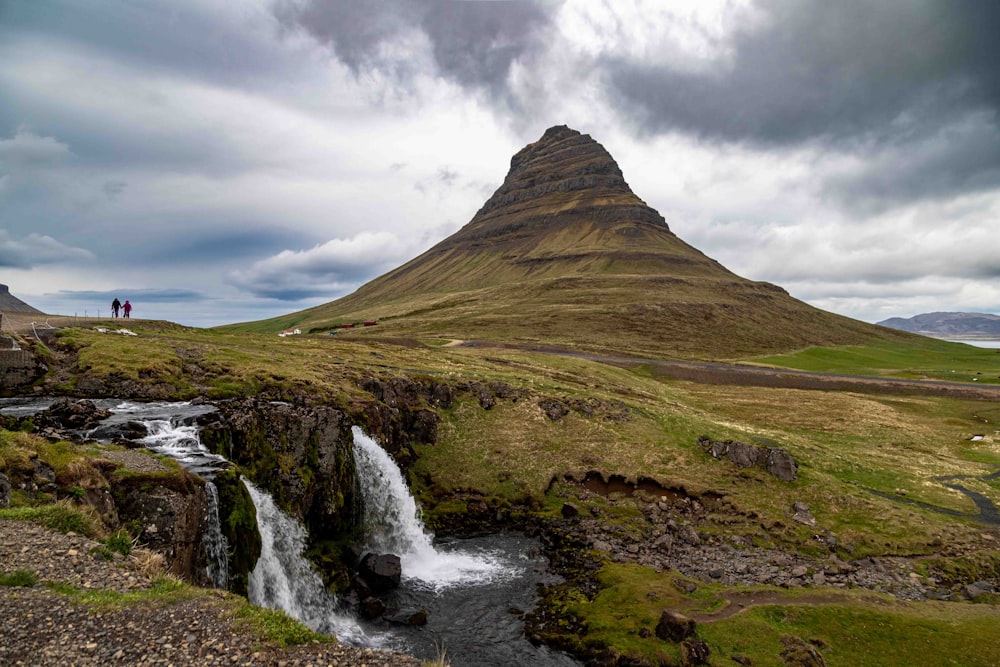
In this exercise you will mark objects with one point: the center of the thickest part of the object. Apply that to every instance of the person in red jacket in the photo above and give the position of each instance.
(127, 308)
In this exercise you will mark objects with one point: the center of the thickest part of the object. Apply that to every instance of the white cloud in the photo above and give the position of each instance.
(35, 249)
(326, 269)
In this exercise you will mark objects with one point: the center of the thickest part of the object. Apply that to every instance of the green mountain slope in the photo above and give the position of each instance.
(564, 253)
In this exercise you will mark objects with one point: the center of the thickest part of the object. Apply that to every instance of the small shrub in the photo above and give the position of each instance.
(23, 578)
(121, 542)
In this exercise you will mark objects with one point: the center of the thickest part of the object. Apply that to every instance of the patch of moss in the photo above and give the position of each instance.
(61, 516)
(238, 517)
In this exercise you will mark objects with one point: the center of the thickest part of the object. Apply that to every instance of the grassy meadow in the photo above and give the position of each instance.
(868, 465)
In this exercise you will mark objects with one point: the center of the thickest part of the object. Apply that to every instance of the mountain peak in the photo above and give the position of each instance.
(563, 253)
(564, 173)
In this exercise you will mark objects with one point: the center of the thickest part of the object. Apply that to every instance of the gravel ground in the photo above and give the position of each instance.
(43, 628)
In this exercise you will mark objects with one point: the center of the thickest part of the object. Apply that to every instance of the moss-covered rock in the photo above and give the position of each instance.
(238, 519)
(171, 508)
(302, 455)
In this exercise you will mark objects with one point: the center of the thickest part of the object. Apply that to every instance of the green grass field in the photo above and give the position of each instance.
(847, 446)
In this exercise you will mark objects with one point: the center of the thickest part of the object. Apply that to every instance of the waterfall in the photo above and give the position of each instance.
(284, 579)
(393, 524)
(216, 544)
(183, 444)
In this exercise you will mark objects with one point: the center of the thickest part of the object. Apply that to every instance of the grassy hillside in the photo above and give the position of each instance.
(867, 470)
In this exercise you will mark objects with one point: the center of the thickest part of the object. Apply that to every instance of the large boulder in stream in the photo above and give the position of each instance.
(382, 572)
(67, 413)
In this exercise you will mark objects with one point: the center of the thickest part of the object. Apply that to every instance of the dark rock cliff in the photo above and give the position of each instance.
(172, 510)
(302, 455)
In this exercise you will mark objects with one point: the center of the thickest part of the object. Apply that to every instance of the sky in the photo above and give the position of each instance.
(219, 161)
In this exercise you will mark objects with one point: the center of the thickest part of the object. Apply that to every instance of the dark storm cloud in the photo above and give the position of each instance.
(849, 70)
(913, 88)
(473, 43)
(963, 157)
(161, 38)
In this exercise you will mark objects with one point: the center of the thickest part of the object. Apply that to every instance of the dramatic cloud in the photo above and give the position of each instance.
(472, 43)
(257, 157)
(337, 265)
(35, 249)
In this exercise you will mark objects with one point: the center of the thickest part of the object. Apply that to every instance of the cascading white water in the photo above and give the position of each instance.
(284, 579)
(184, 444)
(216, 544)
(393, 523)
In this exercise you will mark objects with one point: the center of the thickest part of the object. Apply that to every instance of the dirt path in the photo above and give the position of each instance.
(739, 601)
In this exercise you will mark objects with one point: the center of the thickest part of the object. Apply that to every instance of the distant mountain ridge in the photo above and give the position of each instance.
(565, 254)
(10, 303)
(949, 325)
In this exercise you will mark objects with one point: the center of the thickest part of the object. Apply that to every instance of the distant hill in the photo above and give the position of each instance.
(10, 303)
(949, 325)
(564, 253)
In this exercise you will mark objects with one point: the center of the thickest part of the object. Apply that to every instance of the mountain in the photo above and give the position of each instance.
(10, 303)
(564, 253)
(949, 325)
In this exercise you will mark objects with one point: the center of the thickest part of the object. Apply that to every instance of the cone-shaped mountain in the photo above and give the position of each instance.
(564, 253)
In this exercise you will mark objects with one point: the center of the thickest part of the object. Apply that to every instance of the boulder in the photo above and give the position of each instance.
(781, 464)
(553, 408)
(72, 414)
(694, 652)
(674, 626)
(382, 572)
(799, 653)
(570, 511)
(371, 607)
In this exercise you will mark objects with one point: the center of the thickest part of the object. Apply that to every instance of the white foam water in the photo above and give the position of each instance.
(284, 579)
(216, 544)
(392, 521)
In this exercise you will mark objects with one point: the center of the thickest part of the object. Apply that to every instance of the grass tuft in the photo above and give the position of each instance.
(22, 578)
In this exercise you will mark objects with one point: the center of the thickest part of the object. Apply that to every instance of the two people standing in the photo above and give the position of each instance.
(126, 309)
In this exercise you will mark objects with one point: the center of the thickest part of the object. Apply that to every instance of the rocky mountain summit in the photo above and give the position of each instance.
(565, 252)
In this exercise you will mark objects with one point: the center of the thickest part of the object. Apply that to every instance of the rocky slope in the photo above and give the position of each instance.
(50, 629)
(9, 302)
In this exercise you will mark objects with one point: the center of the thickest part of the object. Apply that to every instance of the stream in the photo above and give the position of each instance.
(474, 591)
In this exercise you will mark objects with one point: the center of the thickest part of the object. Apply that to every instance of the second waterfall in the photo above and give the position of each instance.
(392, 525)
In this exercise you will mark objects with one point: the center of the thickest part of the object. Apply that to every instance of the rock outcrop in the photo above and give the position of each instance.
(302, 455)
(172, 511)
(774, 460)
